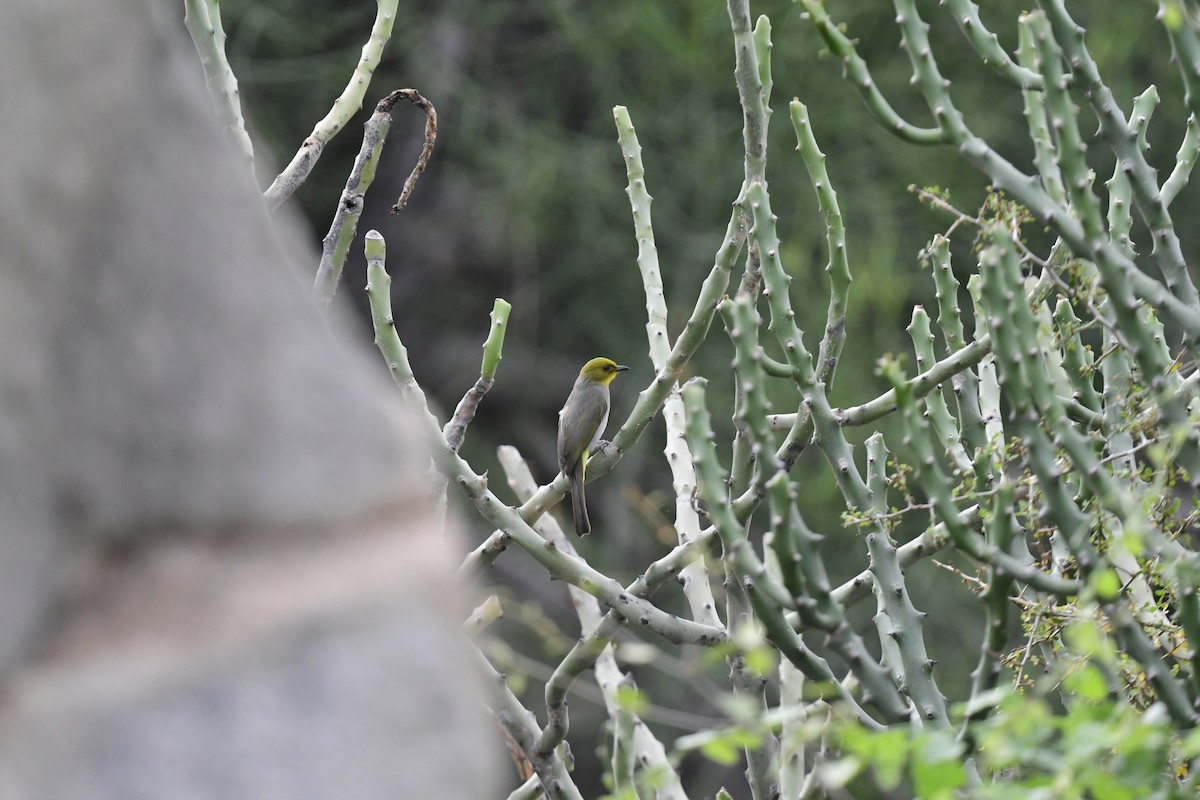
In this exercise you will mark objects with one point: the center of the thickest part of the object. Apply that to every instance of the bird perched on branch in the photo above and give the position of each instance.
(580, 424)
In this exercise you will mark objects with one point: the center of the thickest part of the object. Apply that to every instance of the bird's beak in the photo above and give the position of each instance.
(622, 369)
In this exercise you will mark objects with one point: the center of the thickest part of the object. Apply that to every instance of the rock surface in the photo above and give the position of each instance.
(219, 576)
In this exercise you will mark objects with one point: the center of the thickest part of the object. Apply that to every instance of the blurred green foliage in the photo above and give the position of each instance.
(1101, 747)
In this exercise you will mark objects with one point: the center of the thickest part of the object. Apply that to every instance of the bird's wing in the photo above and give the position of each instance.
(588, 413)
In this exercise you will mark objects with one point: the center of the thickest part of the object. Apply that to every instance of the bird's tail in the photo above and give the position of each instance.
(583, 525)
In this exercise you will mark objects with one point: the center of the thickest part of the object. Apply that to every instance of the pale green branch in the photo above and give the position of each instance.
(203, 21)
(350, 101)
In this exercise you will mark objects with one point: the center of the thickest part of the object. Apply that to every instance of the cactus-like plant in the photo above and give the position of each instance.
(1047, 435)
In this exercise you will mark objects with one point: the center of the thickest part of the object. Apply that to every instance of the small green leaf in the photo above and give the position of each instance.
(1087, 683)
(1172, 16)
(760, 661)
(937, 745)
(726, 747)
(891, 756)
(721, 751)
(1105, 583)
(630, 699)
(933, 780)
(1103, 787)
(1190, 748)
(836, 774)
(1084, 638)
(856, 740)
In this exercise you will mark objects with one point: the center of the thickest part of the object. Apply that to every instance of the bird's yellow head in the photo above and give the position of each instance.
(601, 370)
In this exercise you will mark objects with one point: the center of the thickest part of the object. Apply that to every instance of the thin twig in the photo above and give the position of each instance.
(431, 128)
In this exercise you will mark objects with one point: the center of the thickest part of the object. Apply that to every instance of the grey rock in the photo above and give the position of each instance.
(219, 575)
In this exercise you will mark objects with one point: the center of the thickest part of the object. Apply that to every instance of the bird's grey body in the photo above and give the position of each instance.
(580, 425)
